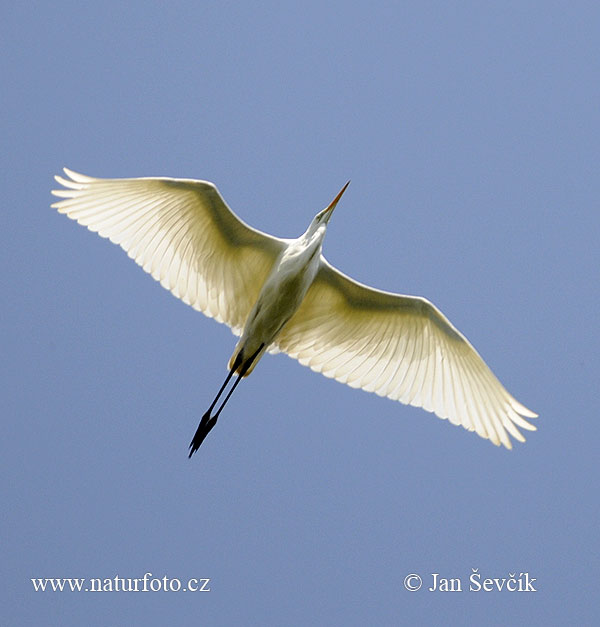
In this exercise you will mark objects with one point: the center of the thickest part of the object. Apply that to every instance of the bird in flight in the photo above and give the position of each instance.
(283, 295)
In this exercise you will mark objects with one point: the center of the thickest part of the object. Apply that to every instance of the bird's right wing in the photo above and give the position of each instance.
(401, 347)
(182, 233)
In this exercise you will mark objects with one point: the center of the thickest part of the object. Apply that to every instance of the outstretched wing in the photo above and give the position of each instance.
(182, 233)
(401, 347)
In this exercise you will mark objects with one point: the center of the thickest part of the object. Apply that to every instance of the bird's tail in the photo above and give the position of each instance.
(245, 365)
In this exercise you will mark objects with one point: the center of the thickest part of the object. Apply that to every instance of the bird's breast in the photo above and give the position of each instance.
(280, 296)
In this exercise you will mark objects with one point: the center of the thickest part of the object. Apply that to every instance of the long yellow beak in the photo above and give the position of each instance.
(329, 210)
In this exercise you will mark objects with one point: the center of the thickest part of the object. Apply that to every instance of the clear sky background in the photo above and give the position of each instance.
(470, 132)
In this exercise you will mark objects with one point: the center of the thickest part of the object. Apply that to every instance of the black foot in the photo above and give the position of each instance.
(204, 428)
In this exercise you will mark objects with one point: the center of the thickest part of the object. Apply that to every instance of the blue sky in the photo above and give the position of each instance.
(470, 132)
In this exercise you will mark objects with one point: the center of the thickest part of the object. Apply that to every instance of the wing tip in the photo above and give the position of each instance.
(78, 177)
(71, 185)
(521, 409)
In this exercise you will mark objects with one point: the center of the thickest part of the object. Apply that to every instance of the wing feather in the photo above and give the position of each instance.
(182, 233)
(401, 347)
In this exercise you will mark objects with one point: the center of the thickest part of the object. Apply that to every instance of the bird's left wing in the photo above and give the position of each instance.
(182, 233)
(401, 347)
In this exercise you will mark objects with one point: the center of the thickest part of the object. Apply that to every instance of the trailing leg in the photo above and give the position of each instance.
(208, 422)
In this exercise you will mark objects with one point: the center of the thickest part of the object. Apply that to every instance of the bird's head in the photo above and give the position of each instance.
(322, 218)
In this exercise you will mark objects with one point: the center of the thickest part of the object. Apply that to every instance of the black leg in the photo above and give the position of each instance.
(207, 422)
(203, 428)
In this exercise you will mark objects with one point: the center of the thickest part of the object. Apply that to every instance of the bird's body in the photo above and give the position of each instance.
(282, 295)
(284, 290)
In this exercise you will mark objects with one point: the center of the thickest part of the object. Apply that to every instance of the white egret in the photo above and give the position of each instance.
(283, 295)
